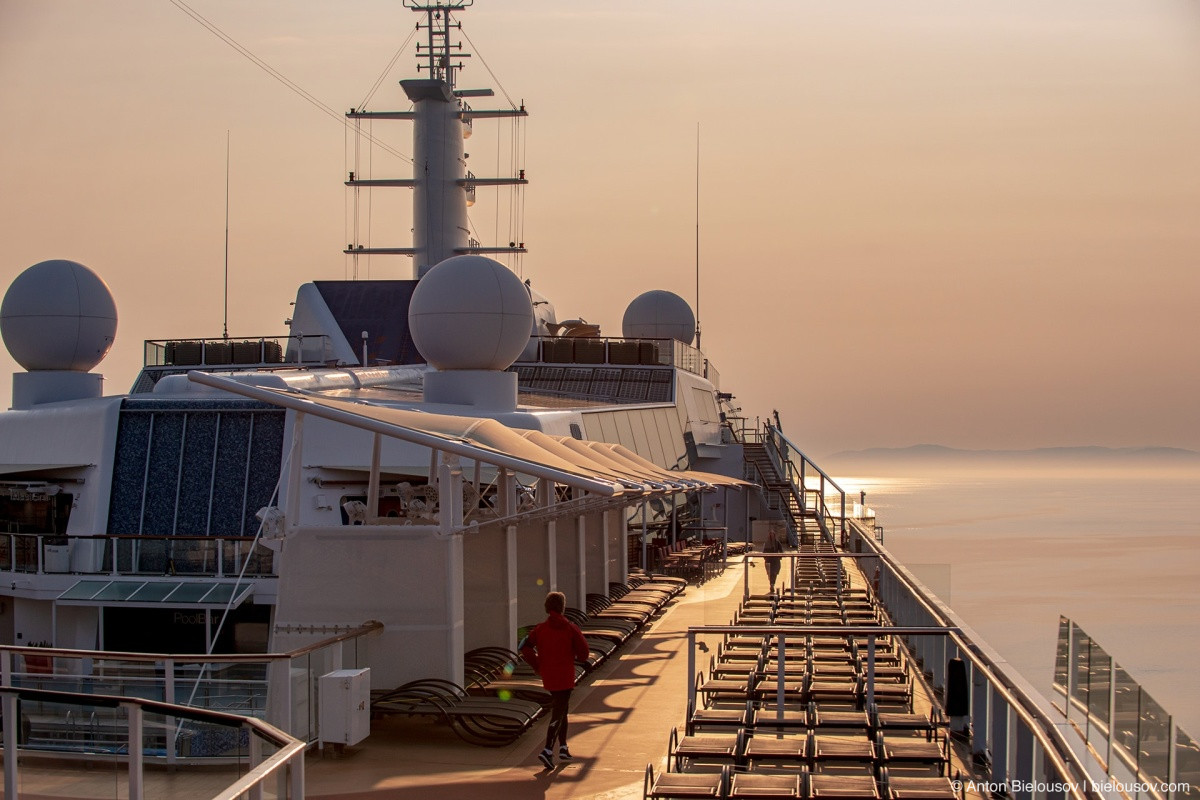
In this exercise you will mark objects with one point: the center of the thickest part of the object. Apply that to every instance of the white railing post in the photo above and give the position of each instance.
(1000, 717)
(10, 744)
(979, 711)
(1023, 766)
(134, 713)
(169, 697)
(256, 791)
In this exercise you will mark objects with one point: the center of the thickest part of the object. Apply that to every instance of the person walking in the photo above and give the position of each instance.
(772, 545)
(552, 648)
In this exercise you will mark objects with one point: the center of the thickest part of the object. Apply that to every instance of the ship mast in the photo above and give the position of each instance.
(442, 187)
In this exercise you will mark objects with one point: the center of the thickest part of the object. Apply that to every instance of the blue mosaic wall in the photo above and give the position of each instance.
(201, 467)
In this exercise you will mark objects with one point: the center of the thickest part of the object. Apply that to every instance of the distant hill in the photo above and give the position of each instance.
(1097, 455)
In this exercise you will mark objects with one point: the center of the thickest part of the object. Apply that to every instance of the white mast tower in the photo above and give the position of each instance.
(442, 186)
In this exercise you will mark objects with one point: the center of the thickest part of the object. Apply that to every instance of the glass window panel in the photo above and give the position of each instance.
(152, 592)
(118, 590)
(190, 592)
(84, 590)
(220, 593)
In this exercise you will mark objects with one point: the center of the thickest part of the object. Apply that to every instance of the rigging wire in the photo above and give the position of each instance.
(383, 75)
(489, 69)
(276, 74)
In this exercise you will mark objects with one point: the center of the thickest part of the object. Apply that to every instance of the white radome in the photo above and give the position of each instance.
(470, 312)
(58, 315)
(659, 314)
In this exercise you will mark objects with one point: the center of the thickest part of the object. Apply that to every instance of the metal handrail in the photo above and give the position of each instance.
(797, 477)
(290, 754)
(1022, 704)
(364, 629)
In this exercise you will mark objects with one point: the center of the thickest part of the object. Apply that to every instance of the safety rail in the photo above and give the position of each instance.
(620, 352)
(239, 352)
(784, 454)
(276, 687)
(996, 692)
(128, 554)
(147, 725)
(1141, 743)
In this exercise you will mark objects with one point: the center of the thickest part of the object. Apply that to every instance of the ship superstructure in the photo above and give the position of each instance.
(399, 479)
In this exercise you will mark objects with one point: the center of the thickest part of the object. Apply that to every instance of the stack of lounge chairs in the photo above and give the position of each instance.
(795, 721)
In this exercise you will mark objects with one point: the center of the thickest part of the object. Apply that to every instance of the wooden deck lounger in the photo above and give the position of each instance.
(684, 784)
(746, 785)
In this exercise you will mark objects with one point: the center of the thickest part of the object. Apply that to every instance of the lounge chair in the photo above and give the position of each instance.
(486, 721)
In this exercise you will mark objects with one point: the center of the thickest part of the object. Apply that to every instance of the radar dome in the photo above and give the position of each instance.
(58, 315)
(658, 314)
(470, 312)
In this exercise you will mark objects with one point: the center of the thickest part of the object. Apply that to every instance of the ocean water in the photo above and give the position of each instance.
(1011, 548)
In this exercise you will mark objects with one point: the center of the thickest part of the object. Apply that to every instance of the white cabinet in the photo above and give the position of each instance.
(345, 706)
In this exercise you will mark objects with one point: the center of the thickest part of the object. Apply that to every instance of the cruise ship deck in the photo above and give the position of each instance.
(621, 721)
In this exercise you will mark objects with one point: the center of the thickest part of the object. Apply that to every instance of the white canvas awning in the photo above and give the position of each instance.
(580, 464)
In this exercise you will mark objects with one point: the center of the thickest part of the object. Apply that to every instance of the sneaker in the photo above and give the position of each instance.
(547, 758)
(564, 753)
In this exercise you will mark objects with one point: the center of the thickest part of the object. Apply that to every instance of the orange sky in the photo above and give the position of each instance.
(967, 223)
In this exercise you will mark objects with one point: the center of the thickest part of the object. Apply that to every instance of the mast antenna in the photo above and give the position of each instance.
(697, 235)
(225, 327)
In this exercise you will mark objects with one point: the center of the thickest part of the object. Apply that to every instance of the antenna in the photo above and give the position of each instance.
(697, 235)
(225, 327)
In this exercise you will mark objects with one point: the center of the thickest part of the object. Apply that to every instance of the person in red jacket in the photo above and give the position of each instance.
(552, 648)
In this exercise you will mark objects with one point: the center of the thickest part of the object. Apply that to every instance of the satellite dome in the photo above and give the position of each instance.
(470, 312)
(658, 314)
(58, 315)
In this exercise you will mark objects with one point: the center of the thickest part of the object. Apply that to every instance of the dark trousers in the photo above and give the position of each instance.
(559, 702)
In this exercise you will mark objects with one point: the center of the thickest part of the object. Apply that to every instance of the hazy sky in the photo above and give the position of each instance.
(967, 222)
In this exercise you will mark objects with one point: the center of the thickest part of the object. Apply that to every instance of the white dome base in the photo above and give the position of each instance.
(54, 386)
(494, 391)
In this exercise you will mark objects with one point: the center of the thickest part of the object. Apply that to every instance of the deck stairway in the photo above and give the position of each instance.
(782, 497)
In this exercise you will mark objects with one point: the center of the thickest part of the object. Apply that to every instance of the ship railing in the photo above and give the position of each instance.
(1007, 730)
(619, 352)
(279, 688)
(110, 554)
(240, 352)
(1140, 742)
(811, 486)
(135, 731)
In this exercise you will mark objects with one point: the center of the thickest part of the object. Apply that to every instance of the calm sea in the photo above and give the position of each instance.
(1010, 549)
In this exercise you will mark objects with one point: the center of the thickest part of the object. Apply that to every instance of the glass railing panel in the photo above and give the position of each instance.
(1099, 678)
(236, 554)
(1154, 740)
(1127, 712)
(73, 728)
(304, 698)
(236, 687)
(1082, 649)
(193, 556)
(1187, 764)
(1062, 655)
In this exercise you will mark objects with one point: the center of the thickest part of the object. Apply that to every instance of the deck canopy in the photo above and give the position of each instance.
(580, 464)
(156, 594)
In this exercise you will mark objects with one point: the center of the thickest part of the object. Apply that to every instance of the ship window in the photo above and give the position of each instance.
(576, 433)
